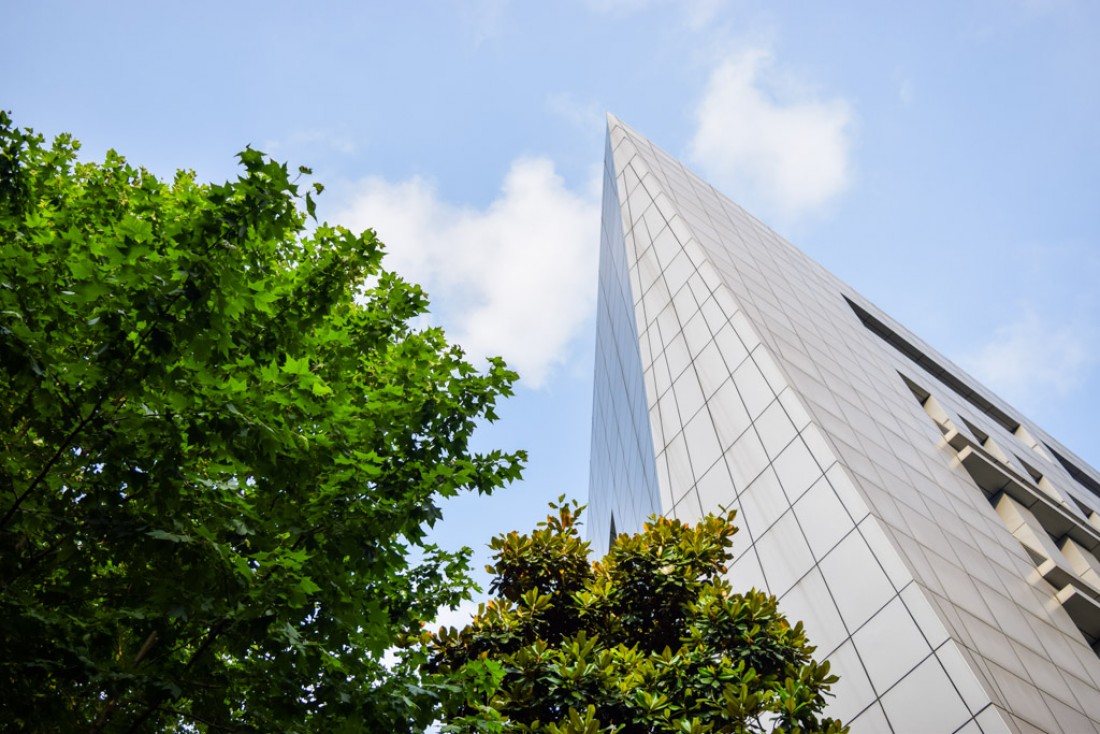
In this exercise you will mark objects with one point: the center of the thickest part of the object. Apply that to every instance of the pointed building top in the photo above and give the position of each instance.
(734, 372)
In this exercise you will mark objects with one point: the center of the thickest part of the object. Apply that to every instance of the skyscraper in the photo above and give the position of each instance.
(940, 548)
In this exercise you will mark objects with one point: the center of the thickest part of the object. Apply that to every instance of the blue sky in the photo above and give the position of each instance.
(940, 157)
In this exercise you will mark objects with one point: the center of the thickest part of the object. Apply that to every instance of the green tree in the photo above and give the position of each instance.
(650, 639)
(222, 444)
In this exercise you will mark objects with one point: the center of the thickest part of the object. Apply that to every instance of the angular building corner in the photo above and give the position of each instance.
(942, 550)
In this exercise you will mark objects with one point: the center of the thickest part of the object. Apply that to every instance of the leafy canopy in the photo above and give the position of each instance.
(221, 443)
(650, 639)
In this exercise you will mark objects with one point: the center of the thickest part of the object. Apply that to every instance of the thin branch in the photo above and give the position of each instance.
(62, 447)
(211, 637)
(34, 560)
(146, 647)
(112, 705)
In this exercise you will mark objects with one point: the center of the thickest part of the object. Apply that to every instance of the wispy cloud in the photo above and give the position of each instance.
(696, 13)
(907, 94)
(311, 141)
(515, 279)
(584, 114)
(484, 19)
(1032, 359)
(764, 136)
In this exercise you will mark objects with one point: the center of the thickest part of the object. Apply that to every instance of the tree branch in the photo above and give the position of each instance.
(65, 443)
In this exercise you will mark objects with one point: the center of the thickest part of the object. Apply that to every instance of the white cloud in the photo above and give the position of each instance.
(700, 13)
(618, 7)
(586, 115)
(484, 18)
(697, 13)
(312, 140)
(517, 279)
(1030, 360)
(906, 92)
(762, 136)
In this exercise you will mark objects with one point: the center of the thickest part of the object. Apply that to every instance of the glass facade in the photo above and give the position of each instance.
(941, 550)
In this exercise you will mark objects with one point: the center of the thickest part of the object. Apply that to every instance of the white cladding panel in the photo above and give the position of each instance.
(733, 371)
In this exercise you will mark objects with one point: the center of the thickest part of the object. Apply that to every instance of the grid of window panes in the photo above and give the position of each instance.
(622, 474)
(766, 392)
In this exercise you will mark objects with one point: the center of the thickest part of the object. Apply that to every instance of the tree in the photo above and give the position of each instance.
(222, 445)
(650, 639)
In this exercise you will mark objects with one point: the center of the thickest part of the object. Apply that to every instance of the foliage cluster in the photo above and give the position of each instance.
(221, 442)
(650, 639)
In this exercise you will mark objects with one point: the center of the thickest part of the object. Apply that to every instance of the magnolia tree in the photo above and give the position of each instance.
(649, 639)
(221, 442)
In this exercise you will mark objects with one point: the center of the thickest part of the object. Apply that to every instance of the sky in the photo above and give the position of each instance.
(942, 158)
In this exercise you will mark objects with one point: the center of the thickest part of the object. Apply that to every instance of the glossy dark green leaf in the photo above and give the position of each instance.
(649, 639)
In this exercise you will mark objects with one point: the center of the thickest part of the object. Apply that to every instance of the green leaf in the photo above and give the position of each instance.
(294, 366)
(220, 457)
